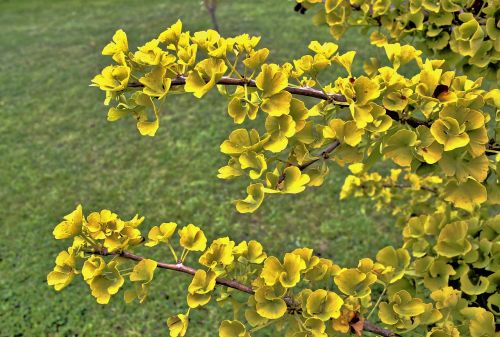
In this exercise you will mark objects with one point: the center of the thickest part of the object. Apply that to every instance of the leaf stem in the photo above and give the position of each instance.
(377, 303)
(172, 251)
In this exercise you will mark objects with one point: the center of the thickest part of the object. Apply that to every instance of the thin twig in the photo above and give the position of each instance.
(303, 91)
(337, 99)
(424, 188)
(211, 6)
(367, 326)
(180, 267)
(325, 154)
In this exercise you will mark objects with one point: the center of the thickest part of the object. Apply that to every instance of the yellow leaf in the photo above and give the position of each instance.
(399, 147)
(71, 225)
(171, 35)
(277, 104)
(148, 128)
(205, 76)
(345, 60)
(256, 58)
(155, 83)
(466, 195)
(366, 90)
(271, 80)
(192, 238)
(253, 200)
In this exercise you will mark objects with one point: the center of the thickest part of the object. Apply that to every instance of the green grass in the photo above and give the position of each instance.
(57, 150)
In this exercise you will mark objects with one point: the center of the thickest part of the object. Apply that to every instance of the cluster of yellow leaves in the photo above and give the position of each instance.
(305, 294)
(102, 230)
(454, 254)
(435, 124)
(384, 191)
(104, 225)
(464, 32)
(434, 118)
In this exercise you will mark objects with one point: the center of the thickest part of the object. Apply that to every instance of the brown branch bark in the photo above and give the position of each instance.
(303, 91)
(492, 149)
(337, 99)
(369, 326)
(326, 152)
(176, 267)
(211, 6)
(179, 267)
(423, 188)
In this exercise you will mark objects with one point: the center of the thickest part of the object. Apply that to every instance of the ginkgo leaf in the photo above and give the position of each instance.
(205, 76)
(232, 329)
(219, 255)
(269, 303)
(239, 109)
(255, 161)
(118, 46)
(171, 35)
(365, 90)
(280, 129)
(345, 60)
(454, 163)
(161, 233)
(400, 55)
(294, 182)
(354, 282)
(178, 325)
(192, 238)
(70, 226)
(466, 195)
(428, 148)
(397, 259)
(327, 49)
(271, 80)
(231, 170)
(345, 132)
(277, 104)
(201, 287)
(112, 78)
(399, 147)
(253, 200)
(148, 128)
(448, 132)
(241, 140)
(155, 83)
(324, 304)
(256, 58)
(467, 38)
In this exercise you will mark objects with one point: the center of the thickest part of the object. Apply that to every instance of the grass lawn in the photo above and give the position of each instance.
(58, 150)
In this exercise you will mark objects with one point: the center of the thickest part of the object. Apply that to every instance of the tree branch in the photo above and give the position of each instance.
(423, 188)
(225, 80)
(177, 267)
(326, 152)
(211, 6)
(337, 99)
(367, 326)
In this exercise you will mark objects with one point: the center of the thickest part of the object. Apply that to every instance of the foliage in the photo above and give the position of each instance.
(432, 121)
(296, 292)
(434, 124)
(72, 155)
(465, 32)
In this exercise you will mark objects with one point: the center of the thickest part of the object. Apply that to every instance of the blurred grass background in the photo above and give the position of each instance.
(58, 150)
